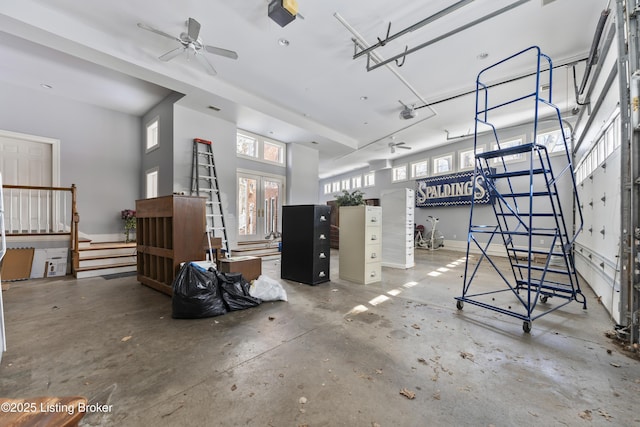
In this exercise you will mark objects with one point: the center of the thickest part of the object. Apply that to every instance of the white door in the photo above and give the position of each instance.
(259, 206)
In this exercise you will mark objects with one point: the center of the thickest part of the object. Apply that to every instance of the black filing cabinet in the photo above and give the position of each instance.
(305, 243)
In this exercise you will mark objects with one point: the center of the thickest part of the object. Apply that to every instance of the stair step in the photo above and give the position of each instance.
(106, 261)
(85, 272)
(552, 286)
(502, 152)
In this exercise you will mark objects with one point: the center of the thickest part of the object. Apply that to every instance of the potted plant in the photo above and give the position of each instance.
(355, 198)
(129, 218)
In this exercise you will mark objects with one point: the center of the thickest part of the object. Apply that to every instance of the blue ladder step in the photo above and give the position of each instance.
(553, 286)
(542, 268)
(524, 172)
(522, 148)
(534, 251)
(547, 214)
(534, 194)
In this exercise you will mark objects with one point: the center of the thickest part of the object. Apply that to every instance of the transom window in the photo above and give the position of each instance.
(370, 179)
(420, 169)
(399, 173)
(259, 148)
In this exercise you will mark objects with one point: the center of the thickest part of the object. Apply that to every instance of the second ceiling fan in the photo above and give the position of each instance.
(394, 145)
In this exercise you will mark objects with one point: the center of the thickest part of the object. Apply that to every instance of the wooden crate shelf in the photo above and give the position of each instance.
(170, 230)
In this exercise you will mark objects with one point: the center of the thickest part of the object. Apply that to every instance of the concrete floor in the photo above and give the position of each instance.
(114, 341)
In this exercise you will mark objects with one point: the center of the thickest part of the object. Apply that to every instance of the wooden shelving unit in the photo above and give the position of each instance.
(170, 230)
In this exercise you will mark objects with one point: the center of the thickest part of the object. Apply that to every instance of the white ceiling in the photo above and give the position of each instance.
(310, 90)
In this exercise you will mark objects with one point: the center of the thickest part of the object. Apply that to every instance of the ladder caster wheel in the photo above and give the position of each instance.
(459, 305)
(544, 299)
(526, 326)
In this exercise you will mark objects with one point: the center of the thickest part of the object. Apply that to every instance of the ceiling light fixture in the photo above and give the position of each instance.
(363, 98)
(283, 42)
(483, 55)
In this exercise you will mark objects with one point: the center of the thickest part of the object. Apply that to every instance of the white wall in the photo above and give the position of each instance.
(454, 220)
(302, 175)
(598, 246)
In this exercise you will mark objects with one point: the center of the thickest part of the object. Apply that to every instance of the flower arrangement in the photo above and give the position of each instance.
(129, 218)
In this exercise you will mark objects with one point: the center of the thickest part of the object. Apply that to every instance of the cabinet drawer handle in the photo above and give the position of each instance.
(322, 237)
(373, 274)
(373, 255)
(321, 274)
(374, 237)
(323, 218)
(322, 255)
(374, 219)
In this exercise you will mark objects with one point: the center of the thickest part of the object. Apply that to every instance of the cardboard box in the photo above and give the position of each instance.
(16, 264)
(49, 262)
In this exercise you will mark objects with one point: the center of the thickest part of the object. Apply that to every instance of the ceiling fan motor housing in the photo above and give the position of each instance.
(408, 113)
(283, 11)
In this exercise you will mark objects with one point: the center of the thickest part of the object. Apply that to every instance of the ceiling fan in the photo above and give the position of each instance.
(394, 145)
(191, 43)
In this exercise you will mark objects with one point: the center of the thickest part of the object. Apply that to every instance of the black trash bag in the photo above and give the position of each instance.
(196, 293)
(235, 292)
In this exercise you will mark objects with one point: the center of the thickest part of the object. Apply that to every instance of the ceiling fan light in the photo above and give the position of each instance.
(407, 113)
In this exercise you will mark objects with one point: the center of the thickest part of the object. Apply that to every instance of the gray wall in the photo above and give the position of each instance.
(160, 157)
(99, 151)
(190, 124)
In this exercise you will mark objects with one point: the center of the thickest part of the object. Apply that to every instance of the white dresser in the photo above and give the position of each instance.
(361, 244)
(397, 228)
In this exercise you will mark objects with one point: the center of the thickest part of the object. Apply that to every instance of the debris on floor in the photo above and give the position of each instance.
(466, 355)
(408, 394)
(302, 400)
(127, 338)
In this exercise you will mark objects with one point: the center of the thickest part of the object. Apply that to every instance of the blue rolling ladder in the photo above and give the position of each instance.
(529, 209)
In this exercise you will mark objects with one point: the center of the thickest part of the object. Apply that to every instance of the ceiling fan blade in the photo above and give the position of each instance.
(222, 52)
(155, 30)
(402, 146)
(399, 143)
(206, 64)
(193, 29)
(171, 54)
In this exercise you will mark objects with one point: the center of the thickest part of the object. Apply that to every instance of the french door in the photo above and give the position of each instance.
(259, 206)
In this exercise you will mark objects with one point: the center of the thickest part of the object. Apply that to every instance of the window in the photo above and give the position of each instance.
(443, 164)
(370, 179)
(467, 158)
(152, 183)
(327, 188)
(335, 186)
(273, 152)
(255, 147)
(246, 145)
(356, 181)
(346, 184)
(512, 157)
(152, 135)
(553, 141)
(399, 173)
(420, 169)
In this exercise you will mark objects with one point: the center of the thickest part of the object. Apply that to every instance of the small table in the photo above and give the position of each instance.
(249, 266)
